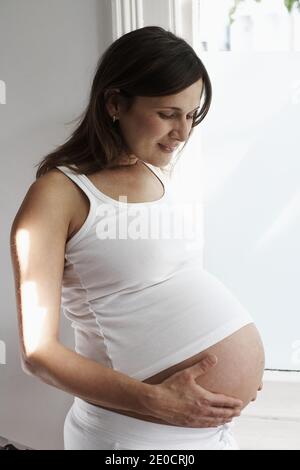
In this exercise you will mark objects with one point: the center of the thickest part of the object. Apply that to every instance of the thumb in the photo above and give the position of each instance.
(201, 367)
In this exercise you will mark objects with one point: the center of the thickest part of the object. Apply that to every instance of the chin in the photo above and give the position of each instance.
(160, 162)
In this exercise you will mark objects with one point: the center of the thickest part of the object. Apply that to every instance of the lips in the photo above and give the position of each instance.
(169, 147)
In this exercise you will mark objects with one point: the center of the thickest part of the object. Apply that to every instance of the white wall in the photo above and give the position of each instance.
(155, 13)
(48, 54)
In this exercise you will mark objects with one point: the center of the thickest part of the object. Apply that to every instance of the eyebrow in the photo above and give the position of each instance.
(177, 109)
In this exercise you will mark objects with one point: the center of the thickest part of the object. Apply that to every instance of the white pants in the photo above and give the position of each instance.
(89, 427)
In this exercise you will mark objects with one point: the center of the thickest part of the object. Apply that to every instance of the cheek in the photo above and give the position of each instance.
(151, 127)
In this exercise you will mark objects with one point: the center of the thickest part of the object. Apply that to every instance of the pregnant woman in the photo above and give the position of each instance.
(165, 356)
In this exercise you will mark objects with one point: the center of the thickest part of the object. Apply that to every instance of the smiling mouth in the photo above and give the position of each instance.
(167, 148)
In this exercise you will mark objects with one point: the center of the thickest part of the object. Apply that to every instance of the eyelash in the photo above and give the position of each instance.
(164, 116)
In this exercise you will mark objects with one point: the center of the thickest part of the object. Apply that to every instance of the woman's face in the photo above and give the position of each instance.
(151, 123)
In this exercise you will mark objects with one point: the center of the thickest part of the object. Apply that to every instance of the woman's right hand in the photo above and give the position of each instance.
(180, 401)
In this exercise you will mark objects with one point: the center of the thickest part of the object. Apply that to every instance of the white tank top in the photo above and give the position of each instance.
(134, 286)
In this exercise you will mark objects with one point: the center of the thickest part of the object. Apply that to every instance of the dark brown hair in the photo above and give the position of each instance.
(149, 61)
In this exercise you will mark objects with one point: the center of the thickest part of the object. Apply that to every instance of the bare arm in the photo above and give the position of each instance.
(65, 369)
(38, 237)
(37, 240)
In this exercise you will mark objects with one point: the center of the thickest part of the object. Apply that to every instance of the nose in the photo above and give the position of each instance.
(181, 130)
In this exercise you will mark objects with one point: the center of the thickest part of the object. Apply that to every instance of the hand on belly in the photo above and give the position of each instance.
(240, 367)
(223, 391)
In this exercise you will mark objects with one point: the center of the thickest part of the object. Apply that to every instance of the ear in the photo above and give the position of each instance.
(112, 100)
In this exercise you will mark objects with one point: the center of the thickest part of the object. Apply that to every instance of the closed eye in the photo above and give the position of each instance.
(171, 116)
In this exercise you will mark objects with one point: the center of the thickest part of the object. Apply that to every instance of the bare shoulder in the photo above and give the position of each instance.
(55, 180)
(51, 193)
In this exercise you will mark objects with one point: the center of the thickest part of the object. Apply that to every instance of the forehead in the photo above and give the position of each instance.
(186, 100)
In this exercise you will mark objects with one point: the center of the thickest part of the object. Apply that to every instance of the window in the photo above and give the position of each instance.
(250, 148)
(250, 25)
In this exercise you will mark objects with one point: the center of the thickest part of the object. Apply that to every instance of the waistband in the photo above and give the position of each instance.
(137, 433)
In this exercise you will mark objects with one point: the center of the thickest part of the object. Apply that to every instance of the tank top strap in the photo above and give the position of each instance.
(159, 173)
(80, 181)
(87, 187)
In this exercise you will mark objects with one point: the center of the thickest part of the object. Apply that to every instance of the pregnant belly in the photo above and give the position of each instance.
(239, 370)
(238, 373)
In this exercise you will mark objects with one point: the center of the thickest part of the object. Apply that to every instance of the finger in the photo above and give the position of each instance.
(260, 387)
(219, 400)
(222, 413)
(207, 362)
